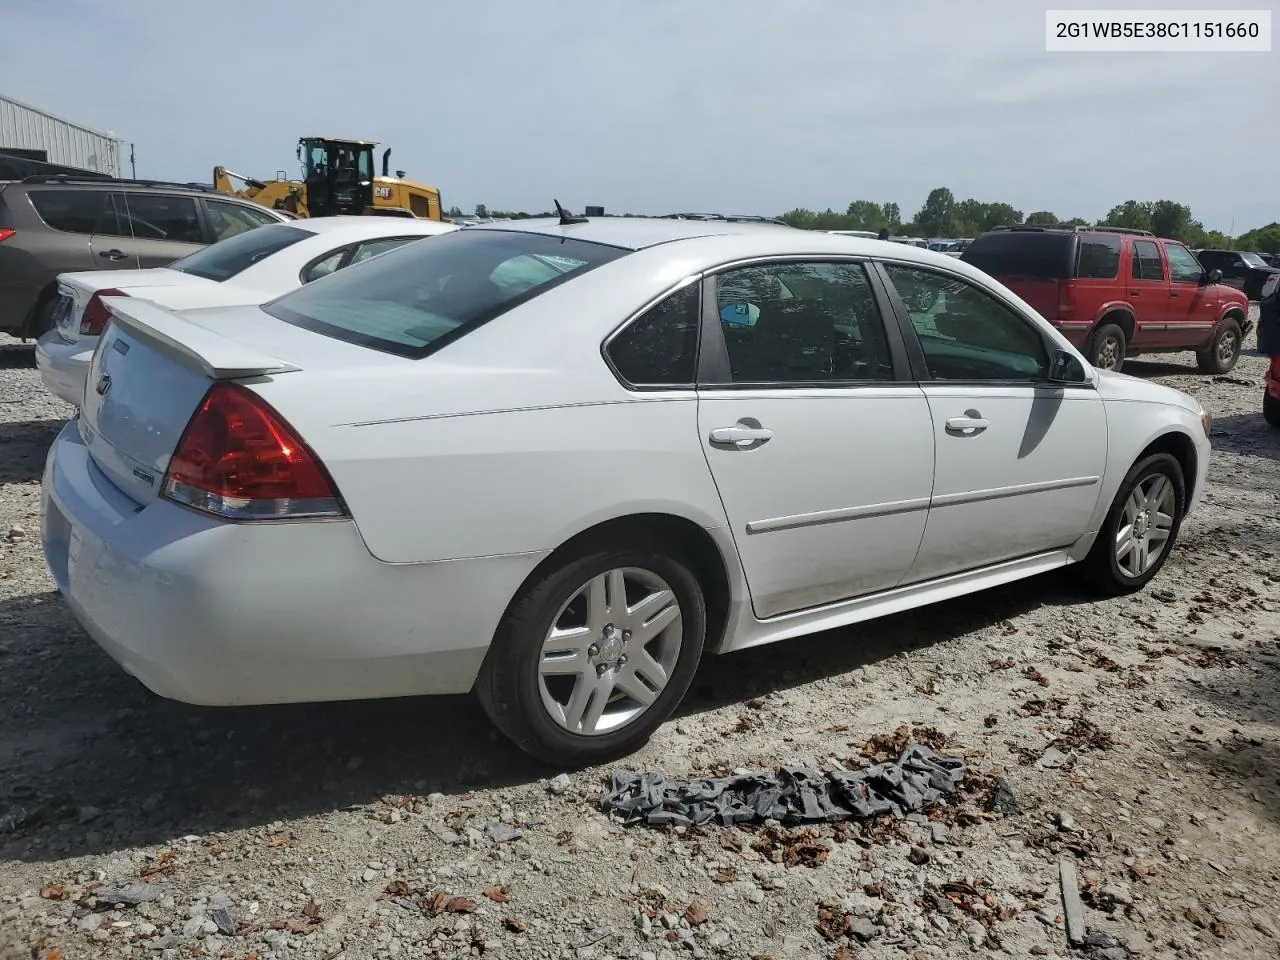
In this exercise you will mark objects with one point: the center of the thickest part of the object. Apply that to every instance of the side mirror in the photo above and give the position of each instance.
(1066, 368)
(1213, 276)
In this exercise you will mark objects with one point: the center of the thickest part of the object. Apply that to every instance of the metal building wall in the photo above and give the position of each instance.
(26, 127)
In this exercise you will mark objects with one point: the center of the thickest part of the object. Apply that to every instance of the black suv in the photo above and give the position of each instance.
(58, 224)
(1244, 271)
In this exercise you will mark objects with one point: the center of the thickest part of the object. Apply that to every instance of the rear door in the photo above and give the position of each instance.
(1193, 308)
(1148, 294)
(1019, 460)
(820, 444)
(151, 230)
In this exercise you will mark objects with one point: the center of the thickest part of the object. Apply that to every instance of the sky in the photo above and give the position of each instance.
(653, 106)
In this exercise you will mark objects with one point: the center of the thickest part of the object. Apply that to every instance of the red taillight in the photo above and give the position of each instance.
(239, 459)
(6, 233)
(94, 319)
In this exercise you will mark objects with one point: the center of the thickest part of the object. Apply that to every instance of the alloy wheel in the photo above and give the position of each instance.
(1227, 346)
(1145, 525)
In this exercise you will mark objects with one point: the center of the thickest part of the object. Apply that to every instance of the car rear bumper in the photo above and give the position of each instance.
(228, 614)
(63, 366)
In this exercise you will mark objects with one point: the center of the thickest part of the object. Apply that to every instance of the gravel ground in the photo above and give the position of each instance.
(1139, 736)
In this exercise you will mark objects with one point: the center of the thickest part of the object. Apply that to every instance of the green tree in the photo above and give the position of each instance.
(1174, 220)
(934, 218)
(1131, 214)
(865, 215)
(1041, 218)
(892, 216)
(482, 210)
(454, 212)
(1264, 239)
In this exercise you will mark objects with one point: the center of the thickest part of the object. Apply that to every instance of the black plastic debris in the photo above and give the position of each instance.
(919, 778)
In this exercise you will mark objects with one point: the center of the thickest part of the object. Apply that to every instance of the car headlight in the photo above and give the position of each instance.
(1206, 420)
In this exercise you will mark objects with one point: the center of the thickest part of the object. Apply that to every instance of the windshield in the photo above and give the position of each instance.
(1253, 260)
(226, 258)
(416, 299)
(1030, 254)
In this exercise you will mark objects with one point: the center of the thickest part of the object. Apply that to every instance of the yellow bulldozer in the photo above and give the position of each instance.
(337, 179)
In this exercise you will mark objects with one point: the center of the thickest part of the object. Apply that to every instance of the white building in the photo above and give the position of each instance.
(35, 134)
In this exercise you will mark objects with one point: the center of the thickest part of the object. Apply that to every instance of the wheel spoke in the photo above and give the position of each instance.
(1135, 504)
(598, 608)
(635, 688)
(565, 664)
(1124, 546)
(648, 669)
(1141, 555)
(662, 620)
(601, 692)
(570, 640)
(1162, 521)
(646, 607)
(1156, 493)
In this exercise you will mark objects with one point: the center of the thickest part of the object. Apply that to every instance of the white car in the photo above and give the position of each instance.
(556, 462)
(248, 268)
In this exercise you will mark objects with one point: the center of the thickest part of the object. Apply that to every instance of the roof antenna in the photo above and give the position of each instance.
(566, 217)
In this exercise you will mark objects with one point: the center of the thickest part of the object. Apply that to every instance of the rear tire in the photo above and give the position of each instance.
(559, 685)
(1140, 529)
(42, 319)
(1223, 350)
(1271, 409)
(1107, 347)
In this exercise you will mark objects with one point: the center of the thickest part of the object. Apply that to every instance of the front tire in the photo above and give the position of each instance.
(1140, 528)
(1223, 350)
(1107, 347)
(591, 658)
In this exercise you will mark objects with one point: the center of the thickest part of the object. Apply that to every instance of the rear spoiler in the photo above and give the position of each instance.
(216, 356)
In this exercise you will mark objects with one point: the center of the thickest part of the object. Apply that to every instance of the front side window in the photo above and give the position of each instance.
(1253, 260)
(71, 211)
(1146, 261)
(223, 260)
(1183, 267)
(660, 347)
(803, 322)
(228, 219)
(965, 333)
(416, 299)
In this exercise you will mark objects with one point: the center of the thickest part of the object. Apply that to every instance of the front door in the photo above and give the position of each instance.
(820, 446)
(1193, 310)
(1148, 294)
(1019, 461)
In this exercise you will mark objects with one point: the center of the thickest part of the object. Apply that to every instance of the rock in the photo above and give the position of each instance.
(500, 832)
(90, 922)
(1117, 894)
(755, 895)
(976, 934)
(864, 929)
(918, 855)
(17, 532)
(223, 920)
(194, 928)
(1051, 759)
(1066, 822)
(1263, 925)
(559, 784)
(719, 940)
(132, 894)
(939, 831)
(369, 875)
(1047, 915)
(1099, 940)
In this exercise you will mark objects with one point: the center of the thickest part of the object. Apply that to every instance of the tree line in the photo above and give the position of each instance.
(943, 216)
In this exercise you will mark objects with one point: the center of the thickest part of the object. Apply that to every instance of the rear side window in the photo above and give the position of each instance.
(72, 211)
(223, 260)
(660, 347)
(154, 216)
(1146, 261)
(1099, 257)
(1030, 254)
(416, 299)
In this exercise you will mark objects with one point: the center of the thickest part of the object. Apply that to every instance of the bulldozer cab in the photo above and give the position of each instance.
(338, 175)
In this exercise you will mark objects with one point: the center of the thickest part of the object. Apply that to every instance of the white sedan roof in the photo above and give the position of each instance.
(364, 228)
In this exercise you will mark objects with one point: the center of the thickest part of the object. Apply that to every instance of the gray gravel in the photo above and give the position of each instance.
(1139, 737)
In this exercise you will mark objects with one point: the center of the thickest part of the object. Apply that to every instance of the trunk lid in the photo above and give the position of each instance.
(148, 375)
(1043, 295)
(76, 289)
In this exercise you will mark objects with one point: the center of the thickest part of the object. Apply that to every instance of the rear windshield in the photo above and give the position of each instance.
(414, 300)
(1022, 254)
(1253, 260)
(226, 258)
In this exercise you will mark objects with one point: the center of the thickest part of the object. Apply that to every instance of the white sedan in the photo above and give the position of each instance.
(557, 462)
(248, 268)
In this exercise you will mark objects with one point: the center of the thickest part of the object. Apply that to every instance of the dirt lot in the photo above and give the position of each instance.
(1139, 736)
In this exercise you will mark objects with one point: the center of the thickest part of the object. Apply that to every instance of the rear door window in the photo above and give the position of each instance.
(155, 216)
(71, 211)
(416, 299)
(223, 260)
(1147, 264)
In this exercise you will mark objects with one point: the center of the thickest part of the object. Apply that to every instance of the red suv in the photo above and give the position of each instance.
(1117, 293)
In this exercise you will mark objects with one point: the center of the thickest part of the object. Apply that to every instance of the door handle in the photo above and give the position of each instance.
(1133, 293)
(744, 434)
(970, 425)
(1173, 295)
(113, 254)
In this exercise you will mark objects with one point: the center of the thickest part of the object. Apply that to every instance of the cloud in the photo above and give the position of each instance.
(748, 106)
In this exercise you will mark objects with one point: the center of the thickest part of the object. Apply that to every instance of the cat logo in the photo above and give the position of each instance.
(382, 193)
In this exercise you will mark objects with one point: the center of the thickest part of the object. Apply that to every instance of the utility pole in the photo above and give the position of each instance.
(133, 163)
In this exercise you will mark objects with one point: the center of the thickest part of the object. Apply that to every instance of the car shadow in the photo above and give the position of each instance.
(1246, 434)
(24, 444)
(78, 728)
(17, 356)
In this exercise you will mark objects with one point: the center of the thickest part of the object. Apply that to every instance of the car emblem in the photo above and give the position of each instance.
(104, 384)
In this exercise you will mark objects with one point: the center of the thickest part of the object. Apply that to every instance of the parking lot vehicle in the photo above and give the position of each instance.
(1270, 259)
(337, 180)
(250, 267)
(56, 224)
(1269, 345)
(1247, 272)
(554, 461)
(1118, 293)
